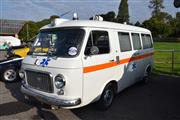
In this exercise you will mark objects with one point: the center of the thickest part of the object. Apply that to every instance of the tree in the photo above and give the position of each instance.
(110, 16)
(123, 13)
(32, 31)
(175, 25)
(33, 28)
(137, 23)
(158, 27)
(156, 5)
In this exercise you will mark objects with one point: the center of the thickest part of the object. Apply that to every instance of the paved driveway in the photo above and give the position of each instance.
(159, 100)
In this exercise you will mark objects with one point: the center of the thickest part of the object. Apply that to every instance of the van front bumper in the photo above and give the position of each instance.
(50, 100)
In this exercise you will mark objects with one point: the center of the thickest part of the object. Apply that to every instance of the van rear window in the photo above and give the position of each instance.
(146, 40)
(124, 40)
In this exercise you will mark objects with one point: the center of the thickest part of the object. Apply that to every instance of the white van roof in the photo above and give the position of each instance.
(97, 24)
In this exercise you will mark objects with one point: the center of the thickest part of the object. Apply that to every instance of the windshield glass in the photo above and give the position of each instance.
(59, 42)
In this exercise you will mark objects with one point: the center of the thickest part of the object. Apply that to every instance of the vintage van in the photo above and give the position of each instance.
(87, 61)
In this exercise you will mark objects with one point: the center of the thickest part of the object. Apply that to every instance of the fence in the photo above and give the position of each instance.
(167, 61)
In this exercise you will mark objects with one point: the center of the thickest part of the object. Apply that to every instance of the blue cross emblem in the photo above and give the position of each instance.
(134, 66)
(44, 62)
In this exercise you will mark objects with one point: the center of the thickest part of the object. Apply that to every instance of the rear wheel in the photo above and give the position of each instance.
(106, 99)
(147, 75)
(9, 74)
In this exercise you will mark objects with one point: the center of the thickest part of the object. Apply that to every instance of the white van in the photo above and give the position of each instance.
(75, 63)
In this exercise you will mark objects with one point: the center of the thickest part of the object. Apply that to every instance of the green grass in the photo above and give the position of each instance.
(166, 57)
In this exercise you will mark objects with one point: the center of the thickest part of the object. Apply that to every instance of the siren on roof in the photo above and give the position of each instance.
(125, 23)
(98, 18)
(75, 16)
(58, 21)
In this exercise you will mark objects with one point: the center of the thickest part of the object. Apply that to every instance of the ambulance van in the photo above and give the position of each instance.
(77, 62)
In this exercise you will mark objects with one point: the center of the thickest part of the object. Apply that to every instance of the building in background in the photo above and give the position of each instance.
(11, 27)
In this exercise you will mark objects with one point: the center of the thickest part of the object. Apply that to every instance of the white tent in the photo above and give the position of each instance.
(9, 39)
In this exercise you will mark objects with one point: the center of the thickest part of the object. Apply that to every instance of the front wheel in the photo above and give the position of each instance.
(106, 99)
(9, 74)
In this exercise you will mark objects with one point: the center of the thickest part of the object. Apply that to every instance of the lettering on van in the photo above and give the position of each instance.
(45, 62)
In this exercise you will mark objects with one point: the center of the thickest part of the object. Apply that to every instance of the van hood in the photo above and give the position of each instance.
(50, 62)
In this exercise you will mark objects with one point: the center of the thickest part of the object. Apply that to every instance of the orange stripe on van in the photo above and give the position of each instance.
(112, 64)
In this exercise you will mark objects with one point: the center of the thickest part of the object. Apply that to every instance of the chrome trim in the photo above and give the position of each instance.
(34, 70)
(50, 100)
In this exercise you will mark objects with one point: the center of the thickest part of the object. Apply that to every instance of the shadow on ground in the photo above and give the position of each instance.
(22, 105)
(158, 100)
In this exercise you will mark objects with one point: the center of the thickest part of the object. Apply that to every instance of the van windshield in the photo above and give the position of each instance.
(58, 42)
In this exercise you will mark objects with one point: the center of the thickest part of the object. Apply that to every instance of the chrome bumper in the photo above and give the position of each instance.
(50, 100)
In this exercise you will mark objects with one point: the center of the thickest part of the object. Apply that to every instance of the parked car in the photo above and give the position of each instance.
(9, 69)
(21, 51)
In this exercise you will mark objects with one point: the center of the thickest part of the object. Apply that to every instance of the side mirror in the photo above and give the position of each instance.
(94, 50)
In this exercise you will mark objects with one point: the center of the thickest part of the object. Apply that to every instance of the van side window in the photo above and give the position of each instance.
(146, 40)
(136, 41)
(124, 40)
(99, 39)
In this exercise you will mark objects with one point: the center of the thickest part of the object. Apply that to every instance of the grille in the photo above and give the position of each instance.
(39, 81)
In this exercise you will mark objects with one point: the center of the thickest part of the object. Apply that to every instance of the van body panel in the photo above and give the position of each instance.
(72, 76)
(54, 62)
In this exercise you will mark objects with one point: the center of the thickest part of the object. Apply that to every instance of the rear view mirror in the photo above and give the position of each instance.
(94, 50)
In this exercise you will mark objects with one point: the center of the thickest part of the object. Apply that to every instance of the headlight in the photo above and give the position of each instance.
(21, 74)
(59, 81)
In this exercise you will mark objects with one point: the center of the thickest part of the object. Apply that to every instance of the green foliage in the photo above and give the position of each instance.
(176, 25)
(31, 28)
(156, 5)
(123, 13)
(162, 25)
(166, 57)
(137, 24)
(157, 27)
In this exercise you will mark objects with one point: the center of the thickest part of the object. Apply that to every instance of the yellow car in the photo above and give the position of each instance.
(21, 52)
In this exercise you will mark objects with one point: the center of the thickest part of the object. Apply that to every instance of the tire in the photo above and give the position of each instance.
(9, 74)
(146, 77)
(106, 98)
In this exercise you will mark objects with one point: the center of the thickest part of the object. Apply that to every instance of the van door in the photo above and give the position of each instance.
(137, 55)
(126, 61)
(98, 62)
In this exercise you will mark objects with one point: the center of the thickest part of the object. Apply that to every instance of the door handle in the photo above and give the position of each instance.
(111, 60)
(117, 60)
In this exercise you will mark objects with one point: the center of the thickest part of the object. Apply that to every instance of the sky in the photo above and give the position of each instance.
(37, 10)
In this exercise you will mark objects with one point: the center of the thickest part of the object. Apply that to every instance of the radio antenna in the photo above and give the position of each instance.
(65, 13)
